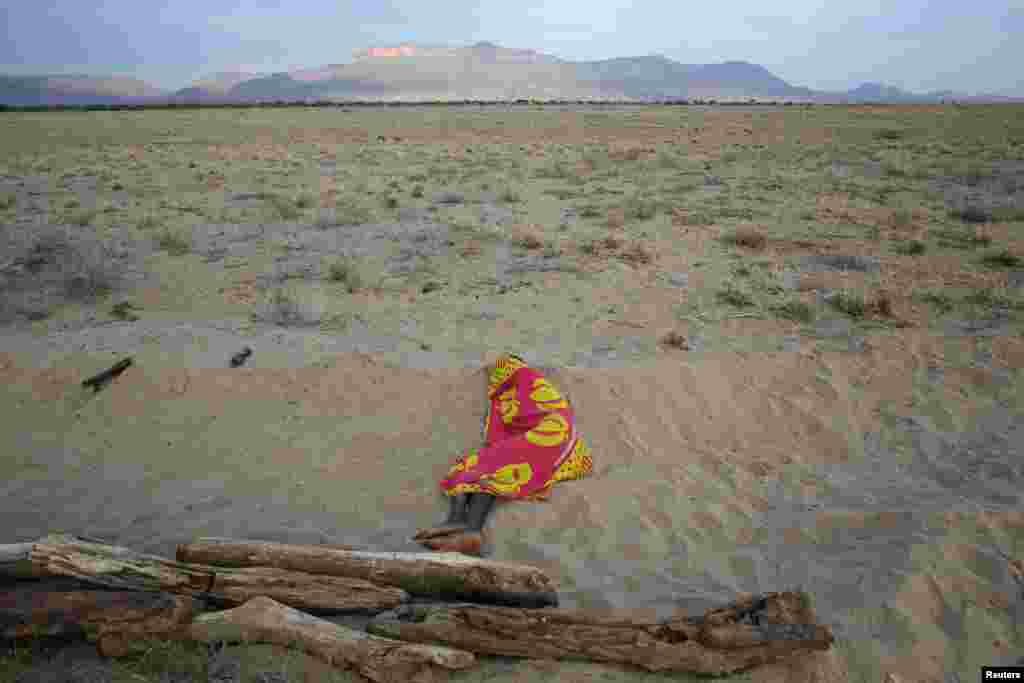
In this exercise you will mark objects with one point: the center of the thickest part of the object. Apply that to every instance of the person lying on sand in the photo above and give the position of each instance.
(530, 442)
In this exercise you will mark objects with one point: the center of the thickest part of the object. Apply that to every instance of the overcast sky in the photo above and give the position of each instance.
(973, 46)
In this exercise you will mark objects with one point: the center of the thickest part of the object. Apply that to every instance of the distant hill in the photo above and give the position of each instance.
(73, 89)
(481, 71)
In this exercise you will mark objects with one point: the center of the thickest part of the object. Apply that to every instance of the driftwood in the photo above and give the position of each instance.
(100, 380)
(748, 633)
(119, 568)
(114, 620)
(445, 576)
(379, 659)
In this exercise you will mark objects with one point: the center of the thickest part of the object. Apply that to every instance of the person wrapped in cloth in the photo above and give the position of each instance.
(530, 443)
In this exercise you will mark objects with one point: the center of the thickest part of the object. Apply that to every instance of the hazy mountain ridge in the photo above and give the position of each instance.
(482, 71)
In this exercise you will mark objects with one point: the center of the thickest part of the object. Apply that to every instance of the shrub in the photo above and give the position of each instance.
(7, 201)
(852, 305)
(901, 218)
(1001, 259)
(509, 196)
(123, 311)
(794, 310)
(417, 191)
(640, 209)
(305, 201)
(173, 243)
(911, 248)
(890, 134)
(589, 211)
(344, 270)
(734, 297)
(940, 301)
(147, 223)
(284, 207)
(391, 202)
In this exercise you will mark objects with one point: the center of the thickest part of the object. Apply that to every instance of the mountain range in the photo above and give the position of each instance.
(482, 71)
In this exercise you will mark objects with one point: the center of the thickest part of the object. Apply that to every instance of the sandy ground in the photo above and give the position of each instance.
(729, 473)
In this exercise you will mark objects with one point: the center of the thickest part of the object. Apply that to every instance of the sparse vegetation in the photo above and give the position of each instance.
(123, 311)
(1001, 259)
(284, 207)
(850, 304)
(350, 212)
(795, 310)
(640, 209)
(902, 218)
(509, 196)
(911, 248)
(345, 271)
(173, 243)
(939, 300)
(734, 297)
(282, 308)
(82, 217)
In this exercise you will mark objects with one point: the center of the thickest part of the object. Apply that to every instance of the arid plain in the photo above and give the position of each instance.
(793, 337)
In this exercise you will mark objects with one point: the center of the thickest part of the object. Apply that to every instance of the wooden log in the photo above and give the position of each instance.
(445, 576)
(751, 632)
(114, 620)
(100, 380)
(120, 568)
(379, 659)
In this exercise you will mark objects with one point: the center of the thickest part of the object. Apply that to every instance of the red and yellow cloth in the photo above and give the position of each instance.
(530, 439)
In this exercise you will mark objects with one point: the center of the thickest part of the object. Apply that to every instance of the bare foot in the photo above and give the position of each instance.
(439, 530)
(467, 543)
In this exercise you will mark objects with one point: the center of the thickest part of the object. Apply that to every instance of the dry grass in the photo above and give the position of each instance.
(616, 218)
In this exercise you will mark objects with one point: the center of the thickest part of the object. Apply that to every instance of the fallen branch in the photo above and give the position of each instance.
(114, 620)
(748, 633)
(446, 576)
(379, 659)
(119, 568)
(99, 380)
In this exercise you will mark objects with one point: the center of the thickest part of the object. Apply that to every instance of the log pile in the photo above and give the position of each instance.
(252, 591)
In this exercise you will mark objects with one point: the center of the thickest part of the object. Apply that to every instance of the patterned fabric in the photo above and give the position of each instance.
(530, 439)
